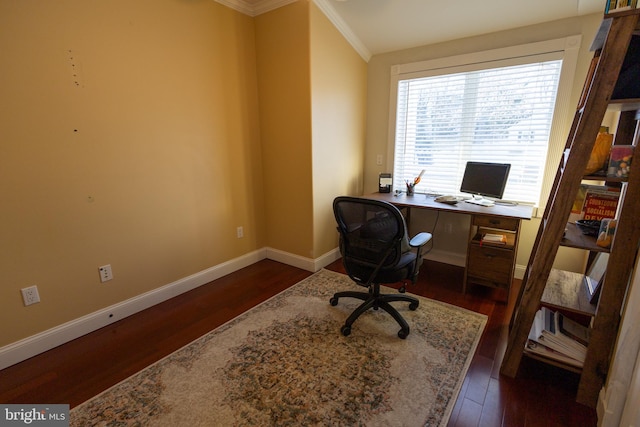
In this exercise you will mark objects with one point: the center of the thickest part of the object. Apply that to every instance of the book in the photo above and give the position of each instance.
(578, 203)
(573, 329)
(496, 239)
(606, 232)
(594, 202)
(600, 202)
(620, 158)
(620, 5)
(610, 5)
(547, 332)
(549, 353)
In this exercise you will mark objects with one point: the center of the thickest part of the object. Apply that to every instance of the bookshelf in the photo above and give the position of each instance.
(542, 285)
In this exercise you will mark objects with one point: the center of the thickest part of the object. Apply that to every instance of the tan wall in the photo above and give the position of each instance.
(282, 40)
(378, 112)
(147, 159)
(143, 134)
(339, 93)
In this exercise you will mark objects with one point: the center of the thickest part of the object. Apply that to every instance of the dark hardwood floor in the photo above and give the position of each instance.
(74, 372)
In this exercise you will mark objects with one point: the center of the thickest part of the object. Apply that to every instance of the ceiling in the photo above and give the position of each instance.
(379, 26)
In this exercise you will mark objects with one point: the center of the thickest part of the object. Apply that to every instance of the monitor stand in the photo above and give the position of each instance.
(479, 200)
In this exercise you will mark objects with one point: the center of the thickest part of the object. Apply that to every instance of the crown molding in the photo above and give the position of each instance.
(344, 29)
(255, 8)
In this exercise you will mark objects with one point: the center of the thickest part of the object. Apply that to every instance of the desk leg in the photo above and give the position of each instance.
(472, 233)
(408, 219)
(406, 211)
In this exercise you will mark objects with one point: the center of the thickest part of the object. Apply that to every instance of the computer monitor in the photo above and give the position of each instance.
(485, 180)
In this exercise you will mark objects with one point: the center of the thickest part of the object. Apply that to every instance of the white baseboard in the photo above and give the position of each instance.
(302, 262)
(446, 257)
(611, 402)
(21, 350)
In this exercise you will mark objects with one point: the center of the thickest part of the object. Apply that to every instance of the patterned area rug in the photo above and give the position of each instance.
(285, 362)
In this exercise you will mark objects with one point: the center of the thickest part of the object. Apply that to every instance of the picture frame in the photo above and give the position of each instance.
(594, 276)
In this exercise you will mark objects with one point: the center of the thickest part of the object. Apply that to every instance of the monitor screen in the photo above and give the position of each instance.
(485, 179)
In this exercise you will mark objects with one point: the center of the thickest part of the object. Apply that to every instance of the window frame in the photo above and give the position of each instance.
(566, 48)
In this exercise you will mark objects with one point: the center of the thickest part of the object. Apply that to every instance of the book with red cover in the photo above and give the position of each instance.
(600, 203)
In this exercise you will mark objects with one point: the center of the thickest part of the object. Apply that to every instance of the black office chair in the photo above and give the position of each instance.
(376, 250)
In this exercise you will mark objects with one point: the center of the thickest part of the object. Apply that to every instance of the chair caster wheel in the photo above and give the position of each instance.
(403, 333)
(413, 306)
(333, 301)
(346, 330)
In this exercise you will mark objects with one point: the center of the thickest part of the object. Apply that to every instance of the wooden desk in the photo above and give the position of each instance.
(486, 264)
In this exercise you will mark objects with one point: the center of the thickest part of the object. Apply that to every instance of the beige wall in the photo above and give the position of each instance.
(312, 87)
(128, 136)
(282, 40)
(143, 134)
(378, 118)
(339, 92)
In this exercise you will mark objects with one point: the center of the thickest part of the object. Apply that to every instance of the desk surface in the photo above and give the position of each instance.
(427, 202)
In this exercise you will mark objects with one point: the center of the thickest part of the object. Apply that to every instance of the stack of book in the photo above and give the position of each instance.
(559, 338)
(613, 6)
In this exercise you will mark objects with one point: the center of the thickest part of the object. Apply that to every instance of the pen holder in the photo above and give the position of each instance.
(410, 188)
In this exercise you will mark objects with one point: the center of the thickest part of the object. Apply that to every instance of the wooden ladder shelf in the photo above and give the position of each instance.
(617, 32)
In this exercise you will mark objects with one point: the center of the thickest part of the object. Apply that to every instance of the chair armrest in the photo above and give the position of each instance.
(420, 240)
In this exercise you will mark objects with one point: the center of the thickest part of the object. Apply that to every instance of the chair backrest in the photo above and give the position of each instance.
(373, 233)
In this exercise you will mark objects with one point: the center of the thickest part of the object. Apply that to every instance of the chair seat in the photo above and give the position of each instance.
(385, 275)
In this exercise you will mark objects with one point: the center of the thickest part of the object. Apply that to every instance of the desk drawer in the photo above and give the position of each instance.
(490, 263)
(510, 224)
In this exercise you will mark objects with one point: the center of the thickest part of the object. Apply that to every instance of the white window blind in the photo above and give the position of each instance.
(497, 114)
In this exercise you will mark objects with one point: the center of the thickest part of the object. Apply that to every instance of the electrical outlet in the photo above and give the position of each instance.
(30, 295)
(240, 232)
(379, 160)
(105, 273)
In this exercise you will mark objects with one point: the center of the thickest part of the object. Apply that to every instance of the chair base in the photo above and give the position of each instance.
(374, 299)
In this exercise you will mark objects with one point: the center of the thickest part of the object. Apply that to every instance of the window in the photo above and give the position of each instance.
(489, 107)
